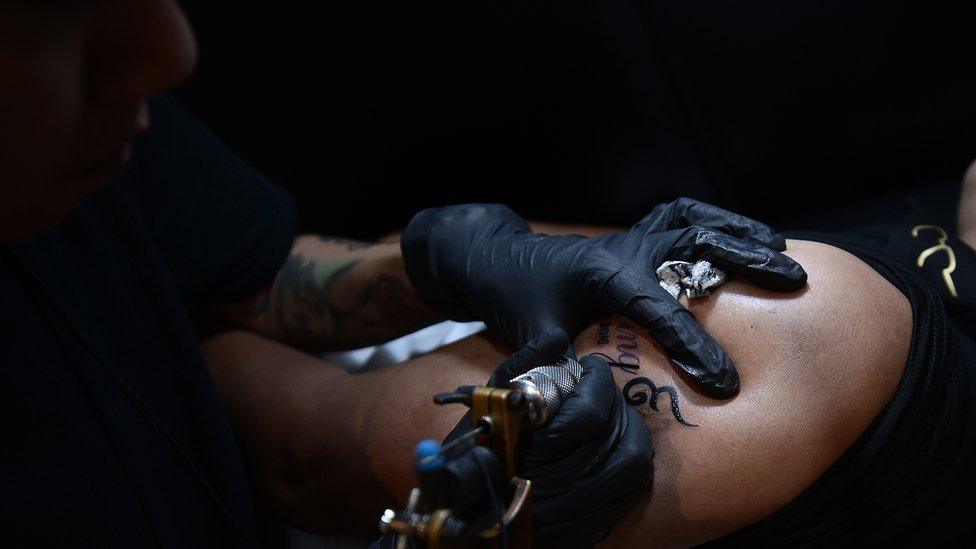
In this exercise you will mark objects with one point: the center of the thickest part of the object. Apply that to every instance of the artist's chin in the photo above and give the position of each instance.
(37, 214)
(98, 173)
(20, 224)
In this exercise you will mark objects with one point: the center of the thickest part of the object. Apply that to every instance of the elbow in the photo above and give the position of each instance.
(317, 491)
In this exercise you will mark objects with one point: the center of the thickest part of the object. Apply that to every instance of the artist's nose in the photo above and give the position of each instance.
(137, 48)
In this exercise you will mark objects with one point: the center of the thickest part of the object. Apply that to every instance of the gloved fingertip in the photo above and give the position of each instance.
(777, 242)
(798, 275)
(570, 352)
(558, 345)
(592, 363)
(718, 381)
(704, 360)
(549, 346)
(790, 276)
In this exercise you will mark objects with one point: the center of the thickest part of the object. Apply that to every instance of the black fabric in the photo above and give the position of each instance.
(79, 465)
(909, 477)
(219, 226)
(590, 111)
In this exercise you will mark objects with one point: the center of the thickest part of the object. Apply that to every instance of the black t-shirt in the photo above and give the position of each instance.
(83, 463)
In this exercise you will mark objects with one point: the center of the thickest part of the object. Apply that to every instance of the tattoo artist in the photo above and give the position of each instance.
(114, 430)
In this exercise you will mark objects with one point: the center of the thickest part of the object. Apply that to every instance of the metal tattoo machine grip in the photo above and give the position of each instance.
(546, 387)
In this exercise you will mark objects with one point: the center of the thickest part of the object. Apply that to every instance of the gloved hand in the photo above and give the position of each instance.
(590, 463)
(483, 262)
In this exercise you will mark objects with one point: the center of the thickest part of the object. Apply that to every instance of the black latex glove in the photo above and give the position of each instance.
(590, 463)
(483, 262)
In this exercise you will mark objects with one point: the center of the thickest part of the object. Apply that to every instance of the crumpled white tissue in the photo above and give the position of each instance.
(696, 278)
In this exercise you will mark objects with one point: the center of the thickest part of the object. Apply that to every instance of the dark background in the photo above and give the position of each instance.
(587, 111)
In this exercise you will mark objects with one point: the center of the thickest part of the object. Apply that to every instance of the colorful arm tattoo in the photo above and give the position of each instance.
(334, 293)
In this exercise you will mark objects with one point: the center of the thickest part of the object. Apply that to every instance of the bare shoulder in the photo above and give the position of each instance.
(816, 368)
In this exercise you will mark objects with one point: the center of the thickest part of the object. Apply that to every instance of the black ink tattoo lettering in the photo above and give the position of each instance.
(627, 346)
(603, 334)
(638, 397)
(628, 360)
(629, 368)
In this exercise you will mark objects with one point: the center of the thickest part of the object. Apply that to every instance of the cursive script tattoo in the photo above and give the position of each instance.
(621, 336)
(636, 398)
(627, 346)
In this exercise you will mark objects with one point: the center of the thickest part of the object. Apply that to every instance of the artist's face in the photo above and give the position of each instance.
(74, 79)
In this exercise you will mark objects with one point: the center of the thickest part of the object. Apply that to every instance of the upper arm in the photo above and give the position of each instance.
(816, 368)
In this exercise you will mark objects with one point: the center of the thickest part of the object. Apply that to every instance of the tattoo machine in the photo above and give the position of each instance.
(431, 519)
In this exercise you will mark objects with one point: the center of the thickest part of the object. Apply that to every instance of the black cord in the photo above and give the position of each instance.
(32, 281)
(502, 531)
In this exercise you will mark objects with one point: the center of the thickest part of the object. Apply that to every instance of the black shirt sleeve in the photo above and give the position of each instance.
(222, 228)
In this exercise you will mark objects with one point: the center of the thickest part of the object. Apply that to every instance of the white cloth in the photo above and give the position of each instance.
(404, 348)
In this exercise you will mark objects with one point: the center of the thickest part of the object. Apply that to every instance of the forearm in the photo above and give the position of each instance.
(326, 448)
(336, 294)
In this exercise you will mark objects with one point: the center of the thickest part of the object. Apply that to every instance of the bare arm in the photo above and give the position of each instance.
(326, 448)
(333, 293)
(325, 444)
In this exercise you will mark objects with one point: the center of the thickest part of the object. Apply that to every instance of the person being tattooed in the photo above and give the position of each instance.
(816, 366)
